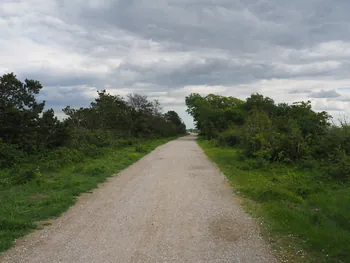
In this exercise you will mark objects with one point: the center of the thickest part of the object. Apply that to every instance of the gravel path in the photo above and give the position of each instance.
(172, 206)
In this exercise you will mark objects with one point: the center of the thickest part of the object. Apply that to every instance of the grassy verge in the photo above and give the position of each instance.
(48, 193)
(306, 217)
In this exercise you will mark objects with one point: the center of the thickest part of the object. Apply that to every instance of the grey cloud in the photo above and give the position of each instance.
(328, 107)
(344, 99)
(227, 24)
(299, 91)
(242, 30)
(216, 71)
(164, 45)
(74, 96)
(247, 30)
(325, 94)
(56, 79)
(209, 71)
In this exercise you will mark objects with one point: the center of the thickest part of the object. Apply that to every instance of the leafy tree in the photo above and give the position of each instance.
(52, 133)
(25, 128)
(19, 111)
(135, 116)
(214, 114)
(261, 103)
(173, 118)
(273, 132)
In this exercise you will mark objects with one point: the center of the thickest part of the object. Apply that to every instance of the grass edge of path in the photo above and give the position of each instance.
(25, 208)
(283, 216)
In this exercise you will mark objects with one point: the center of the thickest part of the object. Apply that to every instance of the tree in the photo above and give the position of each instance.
(214, 114)
(261, 103)
(139, 102)
(135, 116)
(157, 108)
(25, 128)
(19, 111)
(52, 133)
(174, 118)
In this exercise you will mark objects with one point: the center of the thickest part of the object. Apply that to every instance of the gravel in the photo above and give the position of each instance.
(173, 205)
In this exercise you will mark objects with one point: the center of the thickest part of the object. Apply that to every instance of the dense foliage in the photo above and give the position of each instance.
(45, 163)
(26, 129)
(291, 161)
(273, 132)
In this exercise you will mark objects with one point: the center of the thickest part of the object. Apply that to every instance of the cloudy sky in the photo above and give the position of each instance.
(288, 50)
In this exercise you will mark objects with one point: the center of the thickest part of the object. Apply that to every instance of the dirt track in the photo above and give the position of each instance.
(172, 206)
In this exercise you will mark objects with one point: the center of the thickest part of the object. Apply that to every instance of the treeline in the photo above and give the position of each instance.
(271, 132)
(27, 129)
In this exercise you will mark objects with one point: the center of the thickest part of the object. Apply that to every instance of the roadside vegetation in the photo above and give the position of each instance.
(291, 163)
(45, 163)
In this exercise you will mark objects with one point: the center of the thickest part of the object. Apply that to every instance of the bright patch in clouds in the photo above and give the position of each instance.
(166, 49)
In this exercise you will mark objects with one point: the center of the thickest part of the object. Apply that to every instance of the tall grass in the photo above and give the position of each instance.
(307, 217)
(44, 188)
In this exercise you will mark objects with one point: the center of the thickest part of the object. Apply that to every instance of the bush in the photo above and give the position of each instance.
(339, 166)
(230, 137)
(124, 142)
(60, 157)
(19, 176)
(90, 150)
(9, 155)
(99, 138)
(140, 148)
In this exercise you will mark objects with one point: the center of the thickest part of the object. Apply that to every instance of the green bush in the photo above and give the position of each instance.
(60, 157)
(9, 155)
(20, 175)
(230, 137)
(124, 142)
(289, 134)
(140, 148)
(339, 166)
(90, 150)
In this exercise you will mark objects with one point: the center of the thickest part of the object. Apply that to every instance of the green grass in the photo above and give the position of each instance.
(305, 217)
(46, 194)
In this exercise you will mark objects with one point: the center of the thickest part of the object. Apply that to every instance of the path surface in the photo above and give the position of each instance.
(172, 206)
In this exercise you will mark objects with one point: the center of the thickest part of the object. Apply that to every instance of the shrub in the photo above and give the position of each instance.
(90, 150)
(339, 166)
(17, 176)
(140, 148)
(60, 157)
(9, 155)
(230, 137)
(123, 142)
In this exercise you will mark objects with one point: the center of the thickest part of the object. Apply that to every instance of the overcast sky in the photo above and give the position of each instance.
(288, 50)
